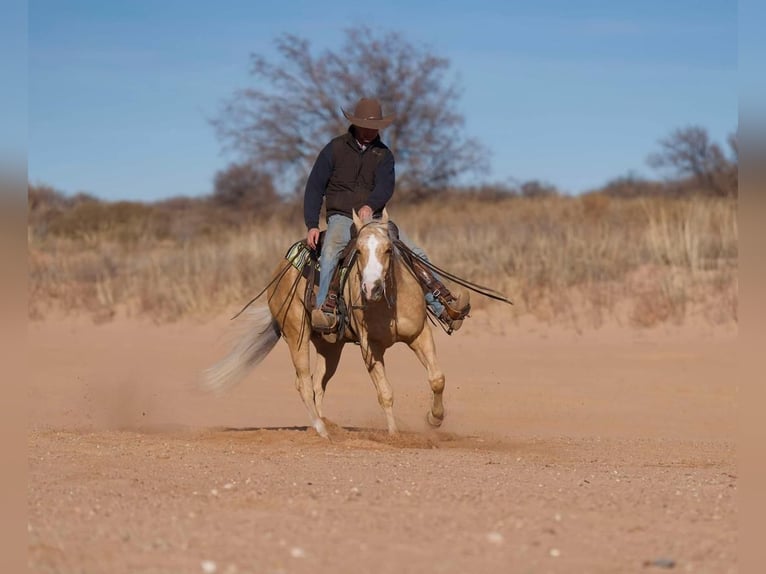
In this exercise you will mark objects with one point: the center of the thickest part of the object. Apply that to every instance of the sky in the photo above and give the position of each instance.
(120, 94)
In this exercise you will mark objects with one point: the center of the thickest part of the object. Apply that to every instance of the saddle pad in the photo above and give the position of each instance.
(304, 260)
(299, 255)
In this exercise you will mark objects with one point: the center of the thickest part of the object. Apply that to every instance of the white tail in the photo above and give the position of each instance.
(258, 334)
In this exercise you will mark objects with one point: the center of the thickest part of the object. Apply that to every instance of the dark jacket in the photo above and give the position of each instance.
(348, 178)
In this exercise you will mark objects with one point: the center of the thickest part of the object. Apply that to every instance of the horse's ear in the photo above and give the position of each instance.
(384, 217)
(357, 222)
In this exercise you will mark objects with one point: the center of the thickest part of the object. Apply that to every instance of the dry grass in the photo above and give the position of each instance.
(582, 260)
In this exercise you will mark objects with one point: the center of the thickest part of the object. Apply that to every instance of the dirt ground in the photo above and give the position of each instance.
(605, 451)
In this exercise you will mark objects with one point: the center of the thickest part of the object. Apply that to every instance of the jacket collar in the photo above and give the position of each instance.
(351, 139)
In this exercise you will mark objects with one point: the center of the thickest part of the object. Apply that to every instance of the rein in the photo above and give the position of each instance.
(475, 287)
(276, 279)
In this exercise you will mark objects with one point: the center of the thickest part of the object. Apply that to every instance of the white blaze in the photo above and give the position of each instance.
(373, 271)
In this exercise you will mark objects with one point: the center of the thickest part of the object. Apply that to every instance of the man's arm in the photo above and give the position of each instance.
(385, 179)
(316, 185)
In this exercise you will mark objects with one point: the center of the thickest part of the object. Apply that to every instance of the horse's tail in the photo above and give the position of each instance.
(258, 335)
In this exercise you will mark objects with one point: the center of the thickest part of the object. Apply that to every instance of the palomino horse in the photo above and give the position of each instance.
(386, 305)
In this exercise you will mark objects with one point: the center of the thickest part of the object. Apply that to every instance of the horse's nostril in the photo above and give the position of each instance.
(372, 291)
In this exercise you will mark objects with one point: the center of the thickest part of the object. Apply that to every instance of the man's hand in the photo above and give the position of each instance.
(365, 213)
(312, 237)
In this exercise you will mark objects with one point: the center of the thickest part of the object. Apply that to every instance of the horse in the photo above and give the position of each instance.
(385, 306)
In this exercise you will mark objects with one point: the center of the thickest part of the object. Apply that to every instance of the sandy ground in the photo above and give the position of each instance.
(607, 451)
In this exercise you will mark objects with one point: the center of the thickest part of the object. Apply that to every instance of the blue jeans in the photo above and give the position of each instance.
(337, 236)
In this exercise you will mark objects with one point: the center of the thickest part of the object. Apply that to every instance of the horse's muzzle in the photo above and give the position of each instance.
(372, 291)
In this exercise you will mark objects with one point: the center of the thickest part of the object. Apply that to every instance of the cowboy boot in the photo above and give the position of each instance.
(455, 308)
(325, 319)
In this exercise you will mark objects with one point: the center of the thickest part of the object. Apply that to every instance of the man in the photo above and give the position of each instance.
(355, 171)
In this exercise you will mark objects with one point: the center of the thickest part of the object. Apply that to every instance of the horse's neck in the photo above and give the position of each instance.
(403, 274)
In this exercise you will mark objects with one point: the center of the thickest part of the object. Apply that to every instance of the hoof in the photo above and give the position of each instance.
(432, 420)
(321, 429)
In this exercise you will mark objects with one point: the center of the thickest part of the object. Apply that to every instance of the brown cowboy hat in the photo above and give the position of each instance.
(368, 114)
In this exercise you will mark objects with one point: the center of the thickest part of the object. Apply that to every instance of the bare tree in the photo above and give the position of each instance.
(243, 186)
(538, 189)
(44, 198)
(731, 171)
(293, 109)
(689, 152)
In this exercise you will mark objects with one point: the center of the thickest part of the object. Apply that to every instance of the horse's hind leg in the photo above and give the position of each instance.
(299, 352)
(425, 349)
(328, 357)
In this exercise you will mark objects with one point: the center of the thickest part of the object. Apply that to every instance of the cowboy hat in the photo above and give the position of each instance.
(368, 114)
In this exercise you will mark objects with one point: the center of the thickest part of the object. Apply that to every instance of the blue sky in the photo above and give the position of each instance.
(571, 93)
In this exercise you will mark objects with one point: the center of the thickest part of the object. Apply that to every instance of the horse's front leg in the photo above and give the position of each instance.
(328, 357)
(373, 358)
(425, 349)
